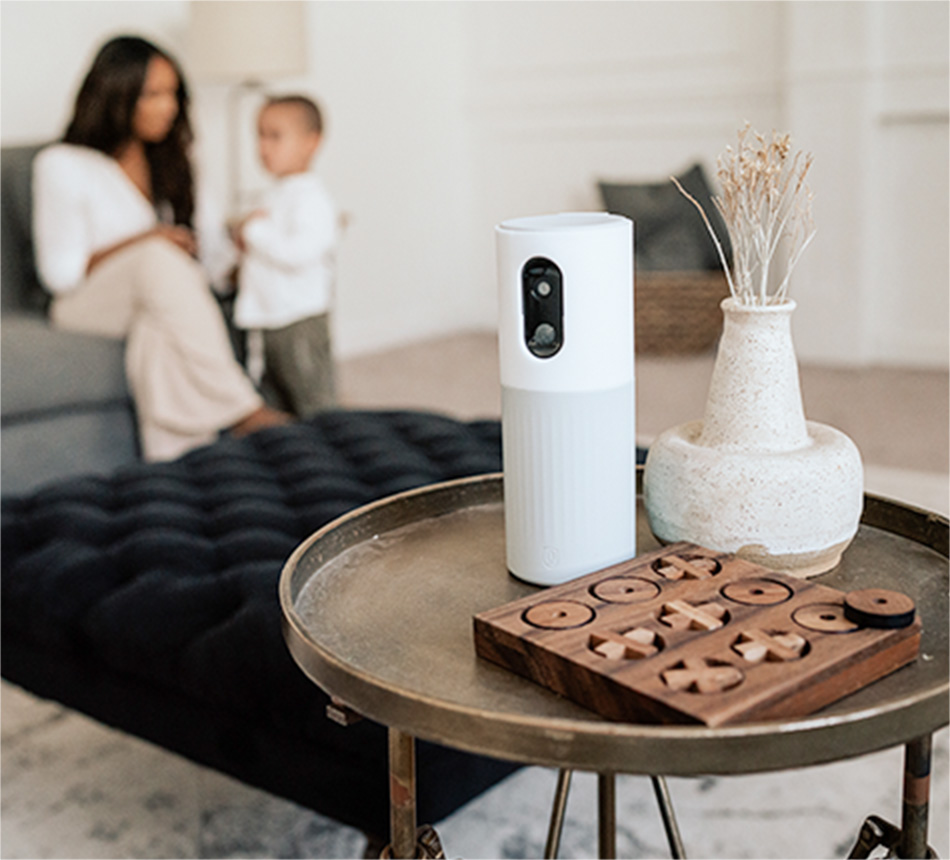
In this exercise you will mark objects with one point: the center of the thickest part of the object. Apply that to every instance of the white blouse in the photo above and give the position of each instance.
(288, 271)
(83, 202)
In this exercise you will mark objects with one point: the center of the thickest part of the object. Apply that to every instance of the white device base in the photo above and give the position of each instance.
(570, 481)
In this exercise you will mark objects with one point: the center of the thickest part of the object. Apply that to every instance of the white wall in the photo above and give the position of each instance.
(445, 118)
(46, 47)
(398, 160)
(565, 94)
(875, 284)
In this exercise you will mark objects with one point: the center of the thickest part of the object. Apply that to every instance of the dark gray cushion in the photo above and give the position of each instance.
(47, 369)
(19, 284)
(65, 444)
(669, 233)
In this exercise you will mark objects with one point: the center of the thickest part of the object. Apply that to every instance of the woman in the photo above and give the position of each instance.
(114, 212)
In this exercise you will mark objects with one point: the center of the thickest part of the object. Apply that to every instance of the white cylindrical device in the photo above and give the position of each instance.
(568, 406)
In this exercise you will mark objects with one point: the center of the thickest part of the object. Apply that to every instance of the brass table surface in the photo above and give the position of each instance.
(378, 606)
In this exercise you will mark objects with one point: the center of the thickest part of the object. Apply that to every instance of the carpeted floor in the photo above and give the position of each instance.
(73, 788)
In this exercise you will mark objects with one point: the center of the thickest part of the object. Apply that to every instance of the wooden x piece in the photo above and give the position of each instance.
(681, 615)
(674, 567)
(698, 675)
(757, 645)
(633, 645)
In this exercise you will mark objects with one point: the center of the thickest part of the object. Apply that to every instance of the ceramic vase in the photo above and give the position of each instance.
(753, 477)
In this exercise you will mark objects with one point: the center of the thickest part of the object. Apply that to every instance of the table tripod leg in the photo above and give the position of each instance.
(606, 815)
(665, 802)
(557, 813)
(402, 794)
(916, 807)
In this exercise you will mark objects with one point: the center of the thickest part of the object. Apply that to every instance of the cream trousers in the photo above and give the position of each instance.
(185, 381)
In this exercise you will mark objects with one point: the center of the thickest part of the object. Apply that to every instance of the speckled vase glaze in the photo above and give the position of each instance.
(754, 477)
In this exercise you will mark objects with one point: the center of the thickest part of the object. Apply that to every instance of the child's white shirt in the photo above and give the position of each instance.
(289, 266)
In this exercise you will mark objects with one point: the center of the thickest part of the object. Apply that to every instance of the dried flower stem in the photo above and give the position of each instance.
(764, 200)
(709, 227)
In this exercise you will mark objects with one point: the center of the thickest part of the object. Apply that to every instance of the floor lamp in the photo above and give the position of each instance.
(245, 43)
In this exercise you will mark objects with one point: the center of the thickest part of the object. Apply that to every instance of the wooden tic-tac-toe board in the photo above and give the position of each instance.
(685, 635)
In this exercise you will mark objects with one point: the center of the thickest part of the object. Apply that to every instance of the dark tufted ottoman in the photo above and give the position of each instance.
(148, 600)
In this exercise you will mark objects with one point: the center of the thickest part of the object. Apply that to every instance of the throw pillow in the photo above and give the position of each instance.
(669, 233)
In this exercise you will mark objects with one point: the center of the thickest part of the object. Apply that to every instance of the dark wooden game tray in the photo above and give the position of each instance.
(687, 635)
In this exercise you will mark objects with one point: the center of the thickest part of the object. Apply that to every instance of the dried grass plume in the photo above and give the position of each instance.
(764, 201)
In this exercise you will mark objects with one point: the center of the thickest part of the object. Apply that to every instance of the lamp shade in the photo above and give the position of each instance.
(246, 40)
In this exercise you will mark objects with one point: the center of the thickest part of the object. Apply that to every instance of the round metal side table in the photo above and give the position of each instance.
(377, 610)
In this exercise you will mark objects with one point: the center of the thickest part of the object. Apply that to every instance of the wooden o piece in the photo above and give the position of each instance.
(825, 618)
(558, 614)
(757, 592)
(625, 589)
(879, 608)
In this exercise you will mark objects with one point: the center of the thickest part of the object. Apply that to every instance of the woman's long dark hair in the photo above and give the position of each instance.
(105, 106)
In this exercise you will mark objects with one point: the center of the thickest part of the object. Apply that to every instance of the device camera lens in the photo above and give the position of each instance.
(543, 289)
(545, 334)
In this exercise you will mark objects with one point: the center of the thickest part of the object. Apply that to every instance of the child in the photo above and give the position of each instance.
(286, 275)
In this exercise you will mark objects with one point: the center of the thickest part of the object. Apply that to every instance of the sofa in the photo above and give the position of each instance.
(57, 385)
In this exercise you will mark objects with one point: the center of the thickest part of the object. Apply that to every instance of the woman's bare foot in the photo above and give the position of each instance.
(259, 419)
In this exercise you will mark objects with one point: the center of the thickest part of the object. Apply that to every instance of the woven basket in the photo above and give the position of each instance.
(678, 312)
